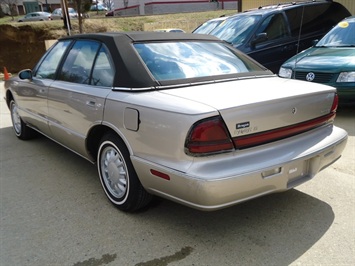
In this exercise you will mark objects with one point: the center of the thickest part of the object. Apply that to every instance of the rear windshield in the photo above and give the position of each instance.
(184, 60)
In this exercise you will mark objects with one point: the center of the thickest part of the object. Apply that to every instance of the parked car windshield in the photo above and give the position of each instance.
(208, 26)
(340, 36)
(236, 29)
(180, 60)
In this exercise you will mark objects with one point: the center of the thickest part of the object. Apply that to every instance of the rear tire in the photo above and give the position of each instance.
(118, 177)
(22, 131)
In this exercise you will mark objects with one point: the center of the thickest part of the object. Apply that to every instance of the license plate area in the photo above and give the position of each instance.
(298, 173)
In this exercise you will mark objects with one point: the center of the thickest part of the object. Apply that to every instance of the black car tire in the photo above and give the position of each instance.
(118, 177)
(22, 131)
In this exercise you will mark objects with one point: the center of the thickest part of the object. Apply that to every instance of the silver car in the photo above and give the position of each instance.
(182, 116)
(58, 13)
(36, 16)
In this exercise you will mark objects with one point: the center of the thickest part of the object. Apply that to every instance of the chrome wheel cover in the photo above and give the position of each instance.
(114, 172)
(16, 119)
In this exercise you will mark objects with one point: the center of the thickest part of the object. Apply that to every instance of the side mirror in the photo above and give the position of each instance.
(261, 37)
(25, 74)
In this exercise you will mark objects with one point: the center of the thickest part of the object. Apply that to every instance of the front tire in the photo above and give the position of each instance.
(118, 177)
(22, 131)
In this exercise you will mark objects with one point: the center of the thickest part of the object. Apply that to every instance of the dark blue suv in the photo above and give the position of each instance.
(273, 34)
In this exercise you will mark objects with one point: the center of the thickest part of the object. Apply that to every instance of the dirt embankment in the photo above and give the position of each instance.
(22, 46)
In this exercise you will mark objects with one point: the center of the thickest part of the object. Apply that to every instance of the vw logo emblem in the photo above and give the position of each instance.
(294, 110)
(310, 76)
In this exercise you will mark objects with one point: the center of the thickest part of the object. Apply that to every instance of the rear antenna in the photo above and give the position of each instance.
(299, 40)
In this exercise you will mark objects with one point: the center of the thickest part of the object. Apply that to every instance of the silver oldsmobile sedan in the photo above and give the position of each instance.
(181, 116)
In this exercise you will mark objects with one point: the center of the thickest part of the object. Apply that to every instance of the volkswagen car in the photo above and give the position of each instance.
(331, 61)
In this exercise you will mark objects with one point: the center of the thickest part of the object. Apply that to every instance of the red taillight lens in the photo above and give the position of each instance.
(335, 104)
(208, 136)
(281, 133)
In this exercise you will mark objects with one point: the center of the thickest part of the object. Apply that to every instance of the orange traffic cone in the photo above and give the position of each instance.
(6, 74)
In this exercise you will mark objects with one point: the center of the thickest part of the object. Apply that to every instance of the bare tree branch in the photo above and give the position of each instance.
(10, 7)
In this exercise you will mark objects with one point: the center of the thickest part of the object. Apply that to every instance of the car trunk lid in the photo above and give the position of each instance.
(260, 105)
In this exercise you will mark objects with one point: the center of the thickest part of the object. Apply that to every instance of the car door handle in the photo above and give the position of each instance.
(91, 103)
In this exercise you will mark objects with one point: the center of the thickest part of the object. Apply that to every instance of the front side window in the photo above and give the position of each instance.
(49, 65)
(274, 26)
(182, 60)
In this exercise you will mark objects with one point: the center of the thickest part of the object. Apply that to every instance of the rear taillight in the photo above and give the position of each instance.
(208, 136)
(335, 104)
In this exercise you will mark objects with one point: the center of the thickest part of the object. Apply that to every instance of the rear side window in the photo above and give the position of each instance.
(315, 19)
(103, 71)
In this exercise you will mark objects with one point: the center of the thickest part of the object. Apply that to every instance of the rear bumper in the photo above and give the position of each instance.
(220, 181)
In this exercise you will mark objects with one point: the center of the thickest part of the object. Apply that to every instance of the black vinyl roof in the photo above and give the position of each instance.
(138, 36)
(130, 71)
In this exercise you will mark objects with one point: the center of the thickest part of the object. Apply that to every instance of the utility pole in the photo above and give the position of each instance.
(239, 6)
(66, 17)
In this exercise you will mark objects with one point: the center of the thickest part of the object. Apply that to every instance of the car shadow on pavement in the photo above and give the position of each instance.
(272, 230)
(344, 115)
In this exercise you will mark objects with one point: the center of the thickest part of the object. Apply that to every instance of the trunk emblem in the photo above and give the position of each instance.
(310, 76)
(294, 110)
(242, 125)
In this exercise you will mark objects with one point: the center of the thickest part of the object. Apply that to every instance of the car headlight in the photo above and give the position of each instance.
(346, 77)
(285, 72)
